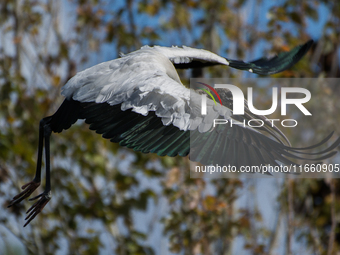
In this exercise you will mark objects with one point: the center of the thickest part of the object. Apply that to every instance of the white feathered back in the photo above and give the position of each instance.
(146, 80)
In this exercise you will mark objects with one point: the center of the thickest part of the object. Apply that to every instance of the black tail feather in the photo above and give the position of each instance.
(67, 114)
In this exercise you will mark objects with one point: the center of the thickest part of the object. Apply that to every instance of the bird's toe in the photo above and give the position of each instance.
(28, 189)
(38, 206)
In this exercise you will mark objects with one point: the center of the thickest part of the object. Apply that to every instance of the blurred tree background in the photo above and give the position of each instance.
(111, 200)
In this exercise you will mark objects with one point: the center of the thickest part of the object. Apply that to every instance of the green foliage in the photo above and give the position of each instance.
(99, 187)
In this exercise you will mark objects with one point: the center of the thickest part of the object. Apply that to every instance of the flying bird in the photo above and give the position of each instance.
(139, 101)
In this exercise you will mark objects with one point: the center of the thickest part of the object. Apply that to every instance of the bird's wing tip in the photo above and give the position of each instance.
(307, 45)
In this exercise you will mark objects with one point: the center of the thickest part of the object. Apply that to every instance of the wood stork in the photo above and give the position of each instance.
(139, 101)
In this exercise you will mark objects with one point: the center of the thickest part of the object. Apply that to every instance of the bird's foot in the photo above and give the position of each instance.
(38, 206)
(28, 188)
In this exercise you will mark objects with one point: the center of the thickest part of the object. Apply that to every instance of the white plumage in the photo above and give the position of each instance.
(146, 80)
(140, 102)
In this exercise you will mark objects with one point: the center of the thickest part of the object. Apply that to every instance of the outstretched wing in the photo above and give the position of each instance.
(187, 57)
(138, 102)
(279, 63)
(224, 145)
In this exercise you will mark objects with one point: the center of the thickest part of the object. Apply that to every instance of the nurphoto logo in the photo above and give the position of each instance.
(238, 99)
(238, 104)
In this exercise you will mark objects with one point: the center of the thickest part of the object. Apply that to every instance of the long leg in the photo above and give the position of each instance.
(45, 197)
(67, 114)
(30, 187)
